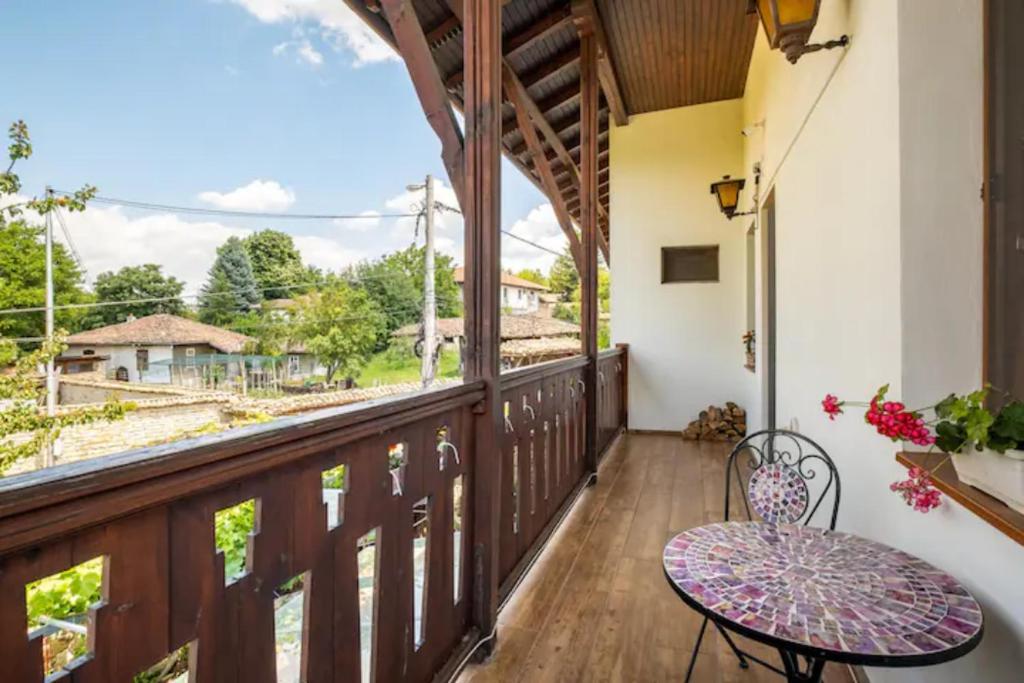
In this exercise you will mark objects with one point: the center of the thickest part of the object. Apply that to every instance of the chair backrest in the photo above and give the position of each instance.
(789, 477)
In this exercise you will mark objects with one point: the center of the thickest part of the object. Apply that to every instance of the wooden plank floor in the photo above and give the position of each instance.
(596, 606)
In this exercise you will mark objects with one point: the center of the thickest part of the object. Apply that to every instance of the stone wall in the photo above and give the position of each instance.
(160, 420)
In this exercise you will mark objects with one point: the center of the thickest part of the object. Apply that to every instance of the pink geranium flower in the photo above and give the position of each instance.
(832, 406)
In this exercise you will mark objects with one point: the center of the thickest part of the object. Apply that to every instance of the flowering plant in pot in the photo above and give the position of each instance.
(987, 447)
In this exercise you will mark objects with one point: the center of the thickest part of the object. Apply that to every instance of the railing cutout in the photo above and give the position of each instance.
(174, 667)
(335, 487)
(290, 619)
(367, 560)
(420, 574)
(515, 488)
(61, 610)
(234, 531)
(398, 458)
(457, 517)
(547, 460)
(533, 472)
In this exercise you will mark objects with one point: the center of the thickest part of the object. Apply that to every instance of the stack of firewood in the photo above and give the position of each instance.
(718, 424)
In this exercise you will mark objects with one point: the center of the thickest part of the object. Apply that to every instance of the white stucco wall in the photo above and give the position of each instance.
(124, 356)
(685, 338)
(876, 161)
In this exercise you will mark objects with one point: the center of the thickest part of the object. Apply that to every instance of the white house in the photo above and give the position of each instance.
(518, 296)
(135, 347)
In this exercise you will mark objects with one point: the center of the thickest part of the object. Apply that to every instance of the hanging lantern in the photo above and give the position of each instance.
(727, 191)
(788, 25)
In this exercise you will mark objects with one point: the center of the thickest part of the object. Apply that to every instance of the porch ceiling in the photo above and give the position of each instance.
(660, 54)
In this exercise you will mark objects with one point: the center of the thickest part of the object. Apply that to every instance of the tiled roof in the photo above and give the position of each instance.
(162, 329)
(512, 327)
(507, 279)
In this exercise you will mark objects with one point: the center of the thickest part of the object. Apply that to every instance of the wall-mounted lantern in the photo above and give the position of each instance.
(788, 25)
(727, 191)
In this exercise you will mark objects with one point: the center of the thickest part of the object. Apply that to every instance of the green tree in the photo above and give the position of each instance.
(134, 283)
(276, 263)
(231, 286)
(340, 325)
(533, 275)
(563, 278)
(22, 252)
(395, 283)
(23, 281)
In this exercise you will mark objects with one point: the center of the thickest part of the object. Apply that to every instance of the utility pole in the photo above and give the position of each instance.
(46, 457)
(429, 295)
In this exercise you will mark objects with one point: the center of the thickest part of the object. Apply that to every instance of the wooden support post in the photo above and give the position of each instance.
(482, 214)
(415, 50)
(588, 223)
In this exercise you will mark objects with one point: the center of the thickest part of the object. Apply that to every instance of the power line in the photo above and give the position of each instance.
(238, 214)
(532, 244)
(259, 214)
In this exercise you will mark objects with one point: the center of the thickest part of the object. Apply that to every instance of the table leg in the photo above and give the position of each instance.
(795, 673)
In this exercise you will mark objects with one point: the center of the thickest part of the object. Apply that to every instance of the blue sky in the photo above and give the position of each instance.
(275, 105)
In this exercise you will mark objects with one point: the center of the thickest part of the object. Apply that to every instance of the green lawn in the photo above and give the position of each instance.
(390, 368)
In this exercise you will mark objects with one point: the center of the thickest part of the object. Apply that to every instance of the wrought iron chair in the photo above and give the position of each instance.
(786, 483)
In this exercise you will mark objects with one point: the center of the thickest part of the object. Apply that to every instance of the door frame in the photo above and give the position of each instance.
(769, 309)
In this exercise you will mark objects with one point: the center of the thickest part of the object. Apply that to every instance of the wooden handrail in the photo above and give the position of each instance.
(532, 373)
(53, 502)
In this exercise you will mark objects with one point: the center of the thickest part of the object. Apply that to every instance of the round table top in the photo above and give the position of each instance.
(823, 593)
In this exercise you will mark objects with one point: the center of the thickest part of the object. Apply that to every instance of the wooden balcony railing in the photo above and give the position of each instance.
(375, 558)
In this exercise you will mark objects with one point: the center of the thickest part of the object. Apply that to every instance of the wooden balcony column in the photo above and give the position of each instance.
(588, 199)
(482, 213)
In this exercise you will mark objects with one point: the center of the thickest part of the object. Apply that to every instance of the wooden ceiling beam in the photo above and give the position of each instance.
(555, 20)
(561, 126)
(562, 96)
(586, 11)
(444, 31)
(412, 44)
(516, 93)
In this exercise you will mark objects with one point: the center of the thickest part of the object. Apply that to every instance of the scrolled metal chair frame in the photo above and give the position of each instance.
(805, 457)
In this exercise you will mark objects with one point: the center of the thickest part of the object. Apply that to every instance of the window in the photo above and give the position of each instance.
(190, 357)
(89, 352)
(294, 365)
(142, 360)
(689, 264)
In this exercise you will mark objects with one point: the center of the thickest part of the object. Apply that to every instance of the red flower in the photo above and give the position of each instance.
(832, 406)
(918, 491)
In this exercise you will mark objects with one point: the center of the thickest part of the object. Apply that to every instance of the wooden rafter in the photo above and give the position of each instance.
(412, 45)
(543, 26)
(561, 126)
(586, 11)
(516, 93)
(563, 95)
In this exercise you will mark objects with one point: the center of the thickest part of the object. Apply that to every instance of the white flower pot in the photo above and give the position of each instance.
(1000, 475)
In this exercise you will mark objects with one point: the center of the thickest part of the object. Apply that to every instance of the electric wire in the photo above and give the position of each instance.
(152, 206)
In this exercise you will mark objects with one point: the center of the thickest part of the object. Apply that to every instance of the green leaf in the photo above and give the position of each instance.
(944, 408)
(950, 437)
(1009, 425)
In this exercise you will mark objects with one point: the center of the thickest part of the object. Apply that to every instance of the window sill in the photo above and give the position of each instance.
(996, 513)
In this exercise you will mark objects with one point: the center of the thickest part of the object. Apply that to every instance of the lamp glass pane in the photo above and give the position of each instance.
(795, 11)
(765, 11)
(729, 195)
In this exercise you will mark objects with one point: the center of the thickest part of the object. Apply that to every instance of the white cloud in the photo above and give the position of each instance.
(541, 227)
(326, 253)
(309, 54)
(259, 195)
(109, 239)
(371, 222)
(338, 24)
(303, 50)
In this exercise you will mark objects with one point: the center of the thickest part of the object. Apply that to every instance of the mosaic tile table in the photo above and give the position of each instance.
(823, 595)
